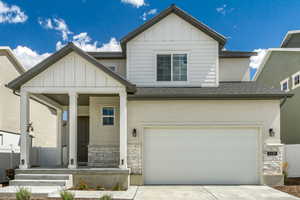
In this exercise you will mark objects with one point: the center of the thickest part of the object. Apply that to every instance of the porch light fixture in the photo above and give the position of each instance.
(134, 132)
(271, 132)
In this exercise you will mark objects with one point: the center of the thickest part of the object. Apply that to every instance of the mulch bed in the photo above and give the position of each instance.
(292, 186)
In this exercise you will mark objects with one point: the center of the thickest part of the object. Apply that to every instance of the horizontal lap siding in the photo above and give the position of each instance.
(73, 71)
(172, 34)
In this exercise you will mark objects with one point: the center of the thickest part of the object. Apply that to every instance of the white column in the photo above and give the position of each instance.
(123, 130)
(59, 124)
(73, 130)
(24, 125)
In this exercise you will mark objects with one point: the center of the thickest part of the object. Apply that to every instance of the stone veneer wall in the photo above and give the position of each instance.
(273, 163)
(103, 156)
(134, 158)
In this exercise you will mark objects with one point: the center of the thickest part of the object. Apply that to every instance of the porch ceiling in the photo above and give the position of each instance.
(83, 99)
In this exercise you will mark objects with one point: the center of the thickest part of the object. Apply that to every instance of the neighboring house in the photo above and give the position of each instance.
(43, 120)
(280, 69)
(171, 108)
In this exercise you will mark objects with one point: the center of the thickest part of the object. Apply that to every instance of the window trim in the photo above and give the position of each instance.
(293, 80)
(172, 53)
(114, 115)
(285, 81)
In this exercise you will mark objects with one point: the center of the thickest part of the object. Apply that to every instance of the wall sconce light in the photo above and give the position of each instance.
(134, 132)
(271, 132)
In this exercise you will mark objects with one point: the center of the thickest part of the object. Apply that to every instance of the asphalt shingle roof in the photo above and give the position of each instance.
(226, 90)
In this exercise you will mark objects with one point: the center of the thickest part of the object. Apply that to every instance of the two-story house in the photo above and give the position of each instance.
(171, 108)
(280, 69)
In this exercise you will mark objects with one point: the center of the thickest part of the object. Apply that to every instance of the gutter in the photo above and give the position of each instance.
(52, 110)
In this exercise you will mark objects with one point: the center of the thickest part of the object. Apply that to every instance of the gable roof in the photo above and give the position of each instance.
(19, 81)
(291, 39)
(267, 56)
(6, 51)
(188, 18)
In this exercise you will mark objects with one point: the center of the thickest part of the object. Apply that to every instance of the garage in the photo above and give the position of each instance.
(201, 155)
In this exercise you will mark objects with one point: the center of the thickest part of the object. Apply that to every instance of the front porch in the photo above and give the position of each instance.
(91, 129)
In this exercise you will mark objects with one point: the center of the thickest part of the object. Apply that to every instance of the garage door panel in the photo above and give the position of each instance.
(200, 156)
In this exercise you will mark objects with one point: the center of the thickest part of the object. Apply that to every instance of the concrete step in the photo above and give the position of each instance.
(29, 182)
(42, 177)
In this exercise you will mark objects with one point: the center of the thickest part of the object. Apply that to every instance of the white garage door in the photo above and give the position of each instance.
(201, 156)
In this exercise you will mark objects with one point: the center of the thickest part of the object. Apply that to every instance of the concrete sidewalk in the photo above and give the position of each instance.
(164, 193)
(211, 193)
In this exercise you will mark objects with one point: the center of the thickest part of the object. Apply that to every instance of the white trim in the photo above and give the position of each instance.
(288, 35)
(114, 115)
(80, 90)
(257, 125)
(156, 53)
(293, 80)
(268, 53)
(285, 81)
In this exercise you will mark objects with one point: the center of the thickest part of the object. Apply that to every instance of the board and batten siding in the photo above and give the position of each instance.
(175, 35)
(73, 71)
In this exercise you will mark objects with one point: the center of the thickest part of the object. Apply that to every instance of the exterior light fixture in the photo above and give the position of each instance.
(271, 132)
(134, 132)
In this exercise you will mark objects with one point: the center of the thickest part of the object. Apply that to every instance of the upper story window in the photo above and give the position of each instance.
(108, 116)
(285, 85)
(171, 67)
(112, 68)
(296, 80)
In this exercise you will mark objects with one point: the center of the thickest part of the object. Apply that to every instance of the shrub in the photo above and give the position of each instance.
(106, 197)
(83, 185)
(23, 194)
(66, 195)
(117, 187)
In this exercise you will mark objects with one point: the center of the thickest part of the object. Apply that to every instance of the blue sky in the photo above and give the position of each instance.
(34, 29)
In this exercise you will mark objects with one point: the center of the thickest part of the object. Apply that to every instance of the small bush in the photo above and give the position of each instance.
(82, 185)
(100, 187)
(117, 187)
(66, 195)
(106, 197)
(23, 194)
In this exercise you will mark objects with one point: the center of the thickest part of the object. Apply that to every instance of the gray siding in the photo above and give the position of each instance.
(282, 65)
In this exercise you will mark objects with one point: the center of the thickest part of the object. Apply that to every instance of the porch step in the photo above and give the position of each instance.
(37, 183)
(42, 180)
(42, 177)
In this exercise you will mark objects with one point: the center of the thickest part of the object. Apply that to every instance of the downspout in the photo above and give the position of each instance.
(283, 102)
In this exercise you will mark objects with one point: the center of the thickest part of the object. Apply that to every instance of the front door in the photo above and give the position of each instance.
(82, 140)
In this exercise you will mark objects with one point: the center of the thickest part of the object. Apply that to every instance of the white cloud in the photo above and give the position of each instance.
(150, 12)
(84, 41)
(29, 57)
(255, 61)
(57, 24)
(135, 3)
(11, 14)
(224, 9)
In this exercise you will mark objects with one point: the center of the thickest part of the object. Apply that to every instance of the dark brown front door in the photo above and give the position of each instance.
(82, 139)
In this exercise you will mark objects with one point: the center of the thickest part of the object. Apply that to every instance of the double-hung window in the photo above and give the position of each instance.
(296, 80)
(285, 85)
(171, 67)
(108, 116)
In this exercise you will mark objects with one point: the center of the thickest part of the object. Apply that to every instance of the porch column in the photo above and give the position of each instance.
(73, 130)
(24, 126)
(123, 130)
(59, 124)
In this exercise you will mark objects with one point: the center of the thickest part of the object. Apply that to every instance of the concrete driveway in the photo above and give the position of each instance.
(210, 193)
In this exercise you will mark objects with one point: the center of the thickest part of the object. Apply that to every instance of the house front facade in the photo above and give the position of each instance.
(171, 108)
